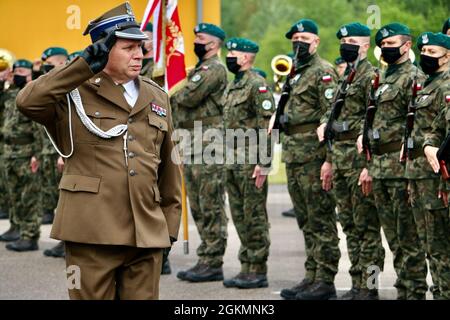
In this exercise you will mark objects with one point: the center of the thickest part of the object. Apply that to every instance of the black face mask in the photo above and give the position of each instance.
(20, 81)
(301, 49)
(349, 52)
(429, 64)
(233, 65)
(46, 68)
(200, 49)
(391, 55)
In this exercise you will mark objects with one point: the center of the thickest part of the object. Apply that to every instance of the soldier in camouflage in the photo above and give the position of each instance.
(312, 88)
(357, 212)
(4, 205)
(22, 143)
(429, 207)
(200, 101)
(389, 182)
(248, 105)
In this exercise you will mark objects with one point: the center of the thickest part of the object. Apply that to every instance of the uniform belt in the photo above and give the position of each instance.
(348, 135)
(19, 141)
(301, 128)
(205, 121)
(387, 148)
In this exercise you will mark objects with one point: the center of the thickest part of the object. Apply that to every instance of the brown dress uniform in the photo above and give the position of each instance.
(115, 215)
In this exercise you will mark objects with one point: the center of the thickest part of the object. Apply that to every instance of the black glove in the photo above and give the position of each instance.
(96, 55)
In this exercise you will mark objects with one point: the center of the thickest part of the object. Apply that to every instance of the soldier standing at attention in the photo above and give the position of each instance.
(22, 142)
(200, 100)
(4, 198)
(357, 213)
(388, 174)
(248, 105)
(312, 89)
(120, 199)
(429, 206)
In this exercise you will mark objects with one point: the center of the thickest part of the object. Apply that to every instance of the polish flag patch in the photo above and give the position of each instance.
(419, 87)
(447, 98)
(262, 89)
(205, 68)
(327, 78)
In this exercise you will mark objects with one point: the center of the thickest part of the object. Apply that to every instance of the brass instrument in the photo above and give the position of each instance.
(6, 59)
(281, 66)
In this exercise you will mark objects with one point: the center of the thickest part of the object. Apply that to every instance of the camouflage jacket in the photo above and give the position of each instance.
(47, 146)
(248, 104)
(312, 90)
(147, 71)
(200, 100)
(430, 101)
(393, 98)
(21, 135)
(344, 153)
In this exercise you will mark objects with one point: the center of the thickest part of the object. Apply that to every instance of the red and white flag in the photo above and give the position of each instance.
(168, 42)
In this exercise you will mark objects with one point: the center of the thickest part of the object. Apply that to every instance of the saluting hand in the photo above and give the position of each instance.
(431, 154)
(97, 54)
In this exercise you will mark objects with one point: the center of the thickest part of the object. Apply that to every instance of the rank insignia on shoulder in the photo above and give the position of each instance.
(327, 78)
(205, 68)
(447, 98)
(262, 89)
(267, 105)
(196, 78)
(160, 111)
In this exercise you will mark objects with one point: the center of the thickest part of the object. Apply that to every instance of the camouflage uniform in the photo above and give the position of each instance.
(199, 100)
(432, 217)
(389, 183)
(22, 141)
(50, 176)
(248, 104)
(357, 213)
(4, 199)
(312, 89)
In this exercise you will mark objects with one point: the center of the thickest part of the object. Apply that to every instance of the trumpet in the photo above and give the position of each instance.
(6, 59)
(281, 66)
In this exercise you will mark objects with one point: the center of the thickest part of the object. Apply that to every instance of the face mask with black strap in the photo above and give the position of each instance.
(233, 65)
(429, 64)
(302, 49)
(19, 81)
(392, 55)
(349, 52)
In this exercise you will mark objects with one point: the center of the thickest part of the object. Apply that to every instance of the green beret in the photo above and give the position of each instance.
(75, 54)
(304, 25)
(355, 29)
(149, 27)
(339, 61)
(22, 63)
(390, 30)
(446, 26)
(242, 44)
(210, 29)
(433, 39)
(54, 51)
(260, 72)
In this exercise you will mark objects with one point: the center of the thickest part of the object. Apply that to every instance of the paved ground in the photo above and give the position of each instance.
(33, 276)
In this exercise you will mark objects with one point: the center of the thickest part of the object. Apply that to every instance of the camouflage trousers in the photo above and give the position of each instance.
(315, 213)
(205, 189)
(397, 220)
(4, 197)
(24, 196)
(50, 181)
(432, 222)
(359, 221)
(249, 214)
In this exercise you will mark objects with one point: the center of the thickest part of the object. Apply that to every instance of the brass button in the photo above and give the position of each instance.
(160, 125)
(130, 120)
(131, 155)
(97, 114)
(133, 173)
(130, 138)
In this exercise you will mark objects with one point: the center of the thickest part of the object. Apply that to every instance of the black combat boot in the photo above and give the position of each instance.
(290, 293)
(182, 274)
(231, 283)
(205, 273)
(289, 213)
(13, 234)
(23, 245)
(57, 251)
(320, 290)
(166, 267)
(252, 281)
(4, 214)
(48, 217)
(352, 294)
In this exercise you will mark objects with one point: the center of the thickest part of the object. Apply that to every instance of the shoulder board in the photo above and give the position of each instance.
(153, 83)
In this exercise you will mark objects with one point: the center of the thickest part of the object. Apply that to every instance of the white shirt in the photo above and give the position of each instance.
(131, 92)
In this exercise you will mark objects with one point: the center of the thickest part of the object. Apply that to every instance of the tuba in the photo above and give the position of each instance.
(281, 66)
(6, 59)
